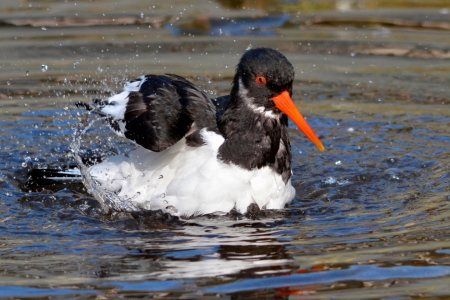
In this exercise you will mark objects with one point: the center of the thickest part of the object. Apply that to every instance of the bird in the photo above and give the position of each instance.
(196, 155)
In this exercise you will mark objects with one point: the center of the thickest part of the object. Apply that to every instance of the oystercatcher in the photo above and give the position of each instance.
(199, 156)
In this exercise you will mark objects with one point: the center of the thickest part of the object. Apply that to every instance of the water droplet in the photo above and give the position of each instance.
(26, 162)
(226, 66)
(392, 160)
(393, 174)
(352, 54)
(171, 209)
(27, 73)
(249, 47)
(44, 68)
(330, 180)
(163, 195)
(343, 182)
(338, 163)
(350, 129)
(142, 15)
(43, 28)
(8, 83)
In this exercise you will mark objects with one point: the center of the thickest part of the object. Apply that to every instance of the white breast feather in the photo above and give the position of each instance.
(191, 180)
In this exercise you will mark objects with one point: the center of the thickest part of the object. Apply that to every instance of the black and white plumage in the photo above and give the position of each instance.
(197, 155)
(156, 111)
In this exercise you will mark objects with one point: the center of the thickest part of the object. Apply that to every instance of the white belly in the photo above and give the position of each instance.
(188, 181)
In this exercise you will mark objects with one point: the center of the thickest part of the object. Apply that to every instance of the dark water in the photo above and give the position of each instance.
(371, 218)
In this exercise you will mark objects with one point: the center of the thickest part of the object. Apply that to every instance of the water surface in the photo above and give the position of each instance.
(370, 219)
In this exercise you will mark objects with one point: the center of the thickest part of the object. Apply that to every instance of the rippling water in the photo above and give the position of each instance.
(371, 216)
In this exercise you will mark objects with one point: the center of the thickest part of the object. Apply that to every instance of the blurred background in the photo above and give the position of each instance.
(345, 49)
(371, 216)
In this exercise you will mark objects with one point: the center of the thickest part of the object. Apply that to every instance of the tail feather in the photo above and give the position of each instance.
(72, 173)
(51, 177)
(66, 173)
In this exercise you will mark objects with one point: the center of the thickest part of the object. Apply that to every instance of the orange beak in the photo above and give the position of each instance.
(284, 103)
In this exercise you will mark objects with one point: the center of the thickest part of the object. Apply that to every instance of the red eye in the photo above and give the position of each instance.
(261, 80)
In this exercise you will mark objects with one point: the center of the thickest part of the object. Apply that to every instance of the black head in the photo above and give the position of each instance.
(254, 122)
(263, 86)
(261, 74)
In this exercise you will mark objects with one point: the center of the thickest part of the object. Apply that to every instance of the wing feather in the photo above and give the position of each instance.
(156, 111)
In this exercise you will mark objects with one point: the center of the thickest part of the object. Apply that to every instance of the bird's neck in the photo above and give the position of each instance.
(254, 138)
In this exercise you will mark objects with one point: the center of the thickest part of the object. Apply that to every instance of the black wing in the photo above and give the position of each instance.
(156, 111)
